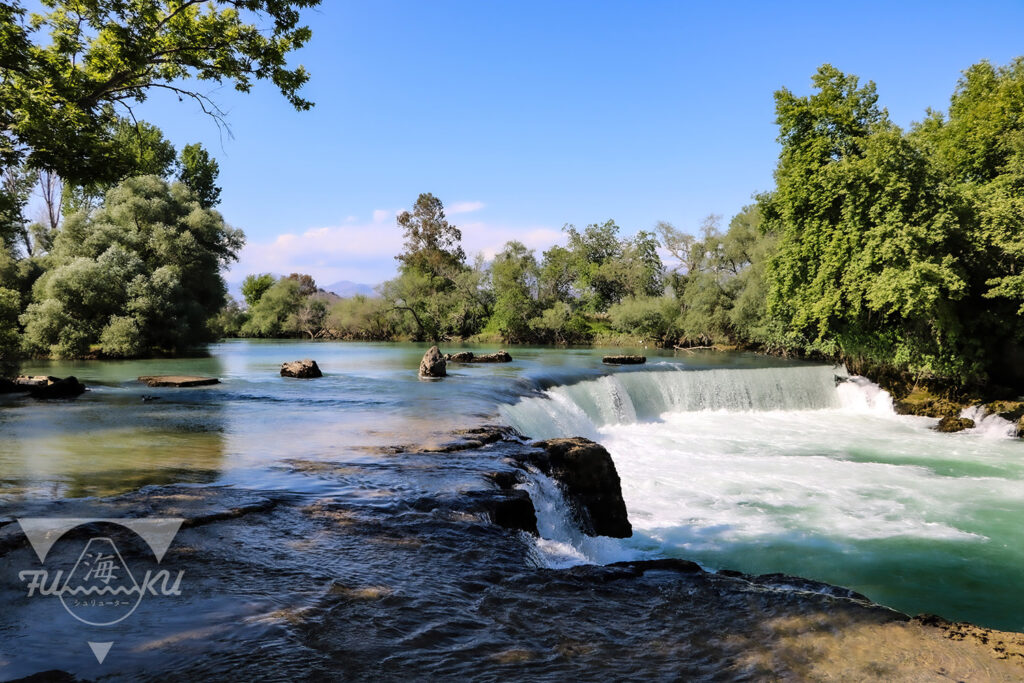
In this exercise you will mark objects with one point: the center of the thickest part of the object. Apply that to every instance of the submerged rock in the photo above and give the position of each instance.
(433, 363)
(303, 369)
(588, 477)
(55, 387)
(177, 381)
(624, 360)
(953, 424)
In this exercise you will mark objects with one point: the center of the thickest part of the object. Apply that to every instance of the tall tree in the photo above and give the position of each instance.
(199, 172)
(432, 244)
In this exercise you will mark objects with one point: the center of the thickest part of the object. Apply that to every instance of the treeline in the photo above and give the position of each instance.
(600, 286)
(895, 251)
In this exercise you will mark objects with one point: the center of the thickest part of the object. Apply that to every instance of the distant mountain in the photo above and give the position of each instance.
(343, 288)
(346, 288)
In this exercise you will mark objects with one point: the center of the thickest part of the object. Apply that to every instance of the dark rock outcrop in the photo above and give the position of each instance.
(953, 424)
(1008, 410)
(55, 387)
(624, 360)
(591, 485)
(515, 510)
(433, 363)
(469, 357)
(177, 381)
(303, 369)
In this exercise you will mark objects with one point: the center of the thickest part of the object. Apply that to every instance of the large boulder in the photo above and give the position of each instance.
(55, 387)
(624, 360)
(950, 424)
(433, 364)
(304, 369)
(590, 483)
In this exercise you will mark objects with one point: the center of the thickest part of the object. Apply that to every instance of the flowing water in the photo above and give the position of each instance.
(805, 471)
(333, 536)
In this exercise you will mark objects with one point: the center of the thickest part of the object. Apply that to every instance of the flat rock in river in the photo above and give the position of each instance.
(177, 381)
(624, 360)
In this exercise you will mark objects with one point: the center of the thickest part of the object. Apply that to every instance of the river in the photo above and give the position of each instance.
(736, 461)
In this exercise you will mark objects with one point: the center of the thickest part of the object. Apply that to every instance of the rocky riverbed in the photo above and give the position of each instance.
(381, 580)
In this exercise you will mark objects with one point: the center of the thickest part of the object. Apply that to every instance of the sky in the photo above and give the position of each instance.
(525, 116)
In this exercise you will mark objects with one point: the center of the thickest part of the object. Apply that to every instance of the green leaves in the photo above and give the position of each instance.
(68, 71)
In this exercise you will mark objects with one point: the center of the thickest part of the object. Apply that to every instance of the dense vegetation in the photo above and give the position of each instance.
(890, 249)
(125, 253)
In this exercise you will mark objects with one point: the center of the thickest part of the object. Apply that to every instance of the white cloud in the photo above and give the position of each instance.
(464, 207)
(365, 251)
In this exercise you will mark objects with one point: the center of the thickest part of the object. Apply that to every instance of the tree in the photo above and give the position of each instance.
(141, 273)
(432, 244)
(514, 279)
(269, 316)
(199, 173)
(254, 286)
(307, 285)
(10, 340)
(60, 94)
(866, 266)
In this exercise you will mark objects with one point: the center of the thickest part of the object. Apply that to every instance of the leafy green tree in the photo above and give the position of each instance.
(559, 324)
(362, 318)
(199, 172)
(68, 67)
(10, 339)
(432, 244)
(866, 265)
(654, 318)
(556, 276)
(140, 273)
(271, 315)
(255, 286)
(514, 279)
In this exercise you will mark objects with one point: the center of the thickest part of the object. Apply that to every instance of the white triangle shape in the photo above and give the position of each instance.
(100, 650)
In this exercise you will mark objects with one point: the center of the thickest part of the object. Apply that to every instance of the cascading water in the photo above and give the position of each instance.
(798, 469)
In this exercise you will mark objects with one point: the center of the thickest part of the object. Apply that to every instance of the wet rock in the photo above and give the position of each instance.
(10, 386)
(1008, 410)
(505, 480)
(177, 381)
(590, 482)
(925, 404)
(953, 424)
(303, 369)
(499, 357)
(55, 387)
(470, 357)
(433, 364)
(515, 511)
(624, 360)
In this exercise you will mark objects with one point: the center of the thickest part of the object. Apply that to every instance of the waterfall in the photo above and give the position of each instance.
(583, 408)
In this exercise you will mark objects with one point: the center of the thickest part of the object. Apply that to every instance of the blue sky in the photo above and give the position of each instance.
(524, 116)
